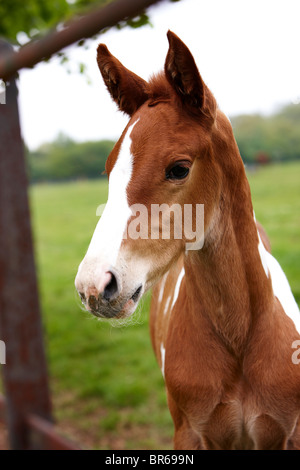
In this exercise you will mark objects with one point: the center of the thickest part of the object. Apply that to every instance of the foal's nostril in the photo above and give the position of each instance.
(137, 293)
(111, 288)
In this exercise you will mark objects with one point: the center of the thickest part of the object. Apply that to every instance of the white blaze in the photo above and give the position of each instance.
(109, 232)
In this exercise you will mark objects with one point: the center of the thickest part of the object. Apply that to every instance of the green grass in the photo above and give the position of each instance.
(107, 388)
(105, 381)
(276, 200)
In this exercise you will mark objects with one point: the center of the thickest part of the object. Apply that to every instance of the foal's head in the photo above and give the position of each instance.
(166, 155)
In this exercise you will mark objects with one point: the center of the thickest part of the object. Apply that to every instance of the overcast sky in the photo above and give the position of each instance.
(247, 52)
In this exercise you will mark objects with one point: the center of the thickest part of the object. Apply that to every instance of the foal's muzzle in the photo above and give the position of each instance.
(104, 296)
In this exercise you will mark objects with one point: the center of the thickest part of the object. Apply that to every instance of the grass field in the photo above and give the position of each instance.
(107, 389)
(106, 384)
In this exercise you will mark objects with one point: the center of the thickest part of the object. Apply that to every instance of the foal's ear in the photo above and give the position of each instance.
(182, 73)
(126, 88)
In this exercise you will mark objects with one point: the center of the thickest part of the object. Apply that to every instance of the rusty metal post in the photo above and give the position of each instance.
(25, 372)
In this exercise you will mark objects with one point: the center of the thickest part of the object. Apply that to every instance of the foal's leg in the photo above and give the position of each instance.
(294, 442)
(184, 436)
(268, 434)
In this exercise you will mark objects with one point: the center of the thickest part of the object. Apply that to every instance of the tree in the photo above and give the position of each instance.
(276, 136)
(65, 159)
(34, 18)
(22, 22)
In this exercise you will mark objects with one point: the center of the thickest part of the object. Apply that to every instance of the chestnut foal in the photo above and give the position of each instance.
(224, 324)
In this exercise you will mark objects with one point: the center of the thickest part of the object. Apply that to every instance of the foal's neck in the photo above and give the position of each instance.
(226, 276)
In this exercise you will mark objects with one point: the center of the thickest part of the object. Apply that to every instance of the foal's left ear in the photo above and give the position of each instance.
(182, 73)
(126, 88)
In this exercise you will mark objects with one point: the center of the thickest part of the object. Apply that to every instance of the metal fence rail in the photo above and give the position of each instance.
(26, 407)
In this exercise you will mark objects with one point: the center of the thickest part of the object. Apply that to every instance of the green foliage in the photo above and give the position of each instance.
(36, 17)
(66, 160)
(22, 22)
(276, 136)
(273, 138)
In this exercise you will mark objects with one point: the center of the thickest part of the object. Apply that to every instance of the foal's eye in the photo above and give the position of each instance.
(177, 172)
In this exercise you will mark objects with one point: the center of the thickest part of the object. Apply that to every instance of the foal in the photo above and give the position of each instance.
(224, 323)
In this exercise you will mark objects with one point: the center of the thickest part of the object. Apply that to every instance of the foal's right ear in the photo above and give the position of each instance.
(183, 75)
(126, 88)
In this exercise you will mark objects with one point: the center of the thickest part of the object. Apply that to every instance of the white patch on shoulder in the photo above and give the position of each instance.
(282, 291)
(109, 231)
(177, 287)
(162, 357)
(162, 287)
(262, 251)
(167, 304)
(280, 284)
(263, 255)
(175, 297)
